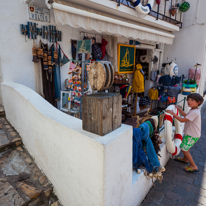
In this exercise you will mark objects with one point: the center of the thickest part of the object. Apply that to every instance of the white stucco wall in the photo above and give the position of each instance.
(16, 54)
(84, 168)
(189, 43)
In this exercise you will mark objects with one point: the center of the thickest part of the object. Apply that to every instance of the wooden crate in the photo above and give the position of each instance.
(101, 113)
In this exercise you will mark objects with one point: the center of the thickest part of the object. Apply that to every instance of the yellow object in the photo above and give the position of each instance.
(68, 98)
(138, 80)
(153, 94)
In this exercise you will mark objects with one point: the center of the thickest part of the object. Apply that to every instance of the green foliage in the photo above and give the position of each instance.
(191, 81)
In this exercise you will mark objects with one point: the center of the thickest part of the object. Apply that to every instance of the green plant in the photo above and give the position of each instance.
(191, 81)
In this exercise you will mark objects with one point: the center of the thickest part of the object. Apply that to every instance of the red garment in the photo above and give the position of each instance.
(103, 47)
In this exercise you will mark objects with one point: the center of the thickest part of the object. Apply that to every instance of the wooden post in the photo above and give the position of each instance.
(135, 106)
(151, 105)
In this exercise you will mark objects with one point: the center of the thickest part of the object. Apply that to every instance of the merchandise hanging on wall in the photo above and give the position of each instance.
(46, 32)
(126, 58)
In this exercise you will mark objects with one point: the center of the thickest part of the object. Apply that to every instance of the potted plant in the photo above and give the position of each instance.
(190, 83)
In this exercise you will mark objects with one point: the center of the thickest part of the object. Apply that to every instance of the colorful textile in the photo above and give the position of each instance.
(171, 100)
(138, 80)
(128, 90)
(188, 142)
(194, 74)
(123, 90)
(160, 90)
(139, 157)
(57, 76)
(96, 51)
(153, 123)
(153, 94)
(103, 47)
(150, 151)
(144, 101)
(151, 129)
(165, 80)
(173, 91)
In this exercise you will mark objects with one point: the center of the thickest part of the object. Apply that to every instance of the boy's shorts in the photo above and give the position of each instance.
(188, 142)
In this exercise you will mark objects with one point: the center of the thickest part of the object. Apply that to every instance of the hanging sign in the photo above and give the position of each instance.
(126, 58)
(39, 14)
(84, 46)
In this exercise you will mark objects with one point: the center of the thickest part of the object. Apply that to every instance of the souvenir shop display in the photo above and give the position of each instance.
(169, 85)
(189, 86)
(75, 86)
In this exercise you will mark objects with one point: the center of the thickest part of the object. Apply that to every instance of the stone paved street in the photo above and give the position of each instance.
(21, 181)
(178, 187)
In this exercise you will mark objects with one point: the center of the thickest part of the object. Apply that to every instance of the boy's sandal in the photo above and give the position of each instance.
(179, 160)
(187, 169)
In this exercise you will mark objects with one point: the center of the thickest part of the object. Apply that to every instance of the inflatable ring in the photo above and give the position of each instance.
(172, 144)
(143, 9)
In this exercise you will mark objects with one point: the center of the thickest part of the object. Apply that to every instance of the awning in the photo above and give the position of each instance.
(66, 14)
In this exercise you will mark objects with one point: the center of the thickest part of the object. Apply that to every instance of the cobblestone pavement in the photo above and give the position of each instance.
(178, 187)
(22, 183)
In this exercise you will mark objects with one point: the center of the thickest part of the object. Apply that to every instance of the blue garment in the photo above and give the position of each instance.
(57, 77)
(139, 157)
(154, 163)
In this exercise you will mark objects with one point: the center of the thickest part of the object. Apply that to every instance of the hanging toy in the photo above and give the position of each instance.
(55, 56)
(34, 54)
(185, 6)
(79, 94)
(40, 53)
(45, 64)
(45, 56)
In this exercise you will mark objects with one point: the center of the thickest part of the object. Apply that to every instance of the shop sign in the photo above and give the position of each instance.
(84, 46)
(126, 58)
(39, 14)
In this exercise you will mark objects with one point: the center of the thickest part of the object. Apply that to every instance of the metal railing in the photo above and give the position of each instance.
(162, 13)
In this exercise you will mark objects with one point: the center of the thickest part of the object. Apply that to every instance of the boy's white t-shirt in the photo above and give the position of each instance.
(193, 126)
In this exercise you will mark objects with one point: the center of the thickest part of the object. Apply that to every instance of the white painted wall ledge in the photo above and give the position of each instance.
(84, 168)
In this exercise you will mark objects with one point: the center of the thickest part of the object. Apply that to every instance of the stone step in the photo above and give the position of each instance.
(21, 181)
(24, 180)
(9, 138)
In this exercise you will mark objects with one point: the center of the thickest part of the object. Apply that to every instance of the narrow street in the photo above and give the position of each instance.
(21, 181)
(178, 187)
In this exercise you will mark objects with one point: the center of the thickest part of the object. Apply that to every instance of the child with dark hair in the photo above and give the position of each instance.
(192, 129)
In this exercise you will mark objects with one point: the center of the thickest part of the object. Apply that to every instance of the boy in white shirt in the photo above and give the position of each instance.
(192, 129)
